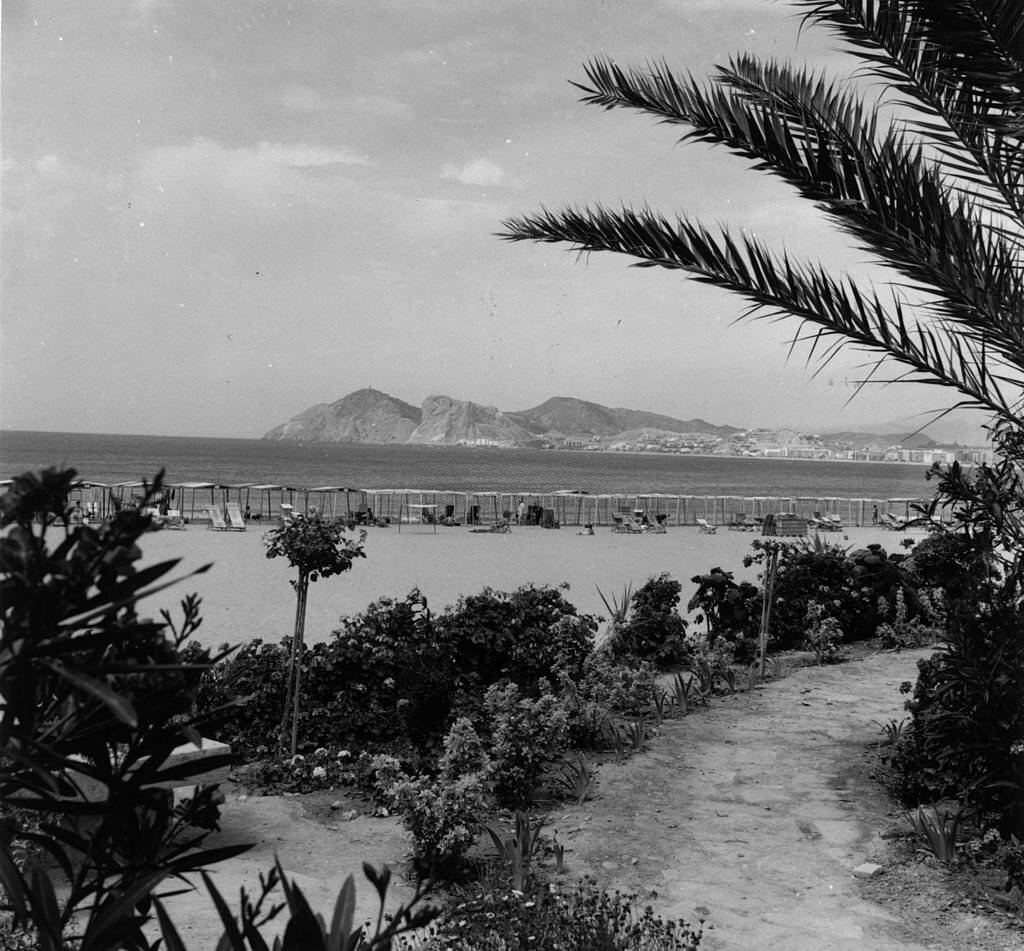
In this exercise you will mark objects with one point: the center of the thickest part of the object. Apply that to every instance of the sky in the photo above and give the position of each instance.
(217, 213)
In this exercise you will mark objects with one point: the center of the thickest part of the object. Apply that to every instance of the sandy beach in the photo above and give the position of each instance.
(246, 595)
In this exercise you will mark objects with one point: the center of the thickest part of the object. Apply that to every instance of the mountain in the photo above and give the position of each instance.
(572, 417)
(446, 421)
(369, 416)
(363, 416)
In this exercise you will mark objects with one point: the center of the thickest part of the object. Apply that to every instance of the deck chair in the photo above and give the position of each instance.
(657, 527)
(236, 522)
(705, 527)
(216, 516)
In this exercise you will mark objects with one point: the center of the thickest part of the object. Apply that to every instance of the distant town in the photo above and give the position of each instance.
(782, 444)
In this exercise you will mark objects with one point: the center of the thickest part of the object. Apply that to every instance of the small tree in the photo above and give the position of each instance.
(318, 549)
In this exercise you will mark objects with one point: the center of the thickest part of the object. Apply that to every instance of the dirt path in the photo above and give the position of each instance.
(754, 814)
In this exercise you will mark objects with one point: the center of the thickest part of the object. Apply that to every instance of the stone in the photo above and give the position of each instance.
(868, 870)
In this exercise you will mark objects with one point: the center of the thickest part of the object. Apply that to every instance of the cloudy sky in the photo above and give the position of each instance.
(219, 212)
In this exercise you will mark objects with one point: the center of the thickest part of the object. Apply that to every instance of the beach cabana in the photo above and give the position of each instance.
(186, 496)
(418, 513)
(328, 500)
(262, 494)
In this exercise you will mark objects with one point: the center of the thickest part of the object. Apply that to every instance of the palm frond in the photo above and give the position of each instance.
(878, 188)
(960, 63)
(781, 286)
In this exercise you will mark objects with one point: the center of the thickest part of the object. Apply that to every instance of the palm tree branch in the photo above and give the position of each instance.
(884, 193)
(958, 61)
(808, 292)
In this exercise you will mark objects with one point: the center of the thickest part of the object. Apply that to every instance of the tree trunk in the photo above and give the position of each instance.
(297, 645)
(291, 700)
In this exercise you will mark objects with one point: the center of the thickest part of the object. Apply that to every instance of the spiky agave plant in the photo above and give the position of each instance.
(929, 178)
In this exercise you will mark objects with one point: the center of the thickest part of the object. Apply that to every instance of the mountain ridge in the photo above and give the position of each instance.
(372, 416)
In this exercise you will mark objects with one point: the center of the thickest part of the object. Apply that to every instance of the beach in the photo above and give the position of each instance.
(246, 595)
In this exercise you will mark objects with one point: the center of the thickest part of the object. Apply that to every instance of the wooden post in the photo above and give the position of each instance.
(766, 608)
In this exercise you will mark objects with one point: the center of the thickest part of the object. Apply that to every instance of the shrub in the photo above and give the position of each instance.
(525, 736)
(519, 636)
(823, 633)
(91, 692)
(396, 676)
(253, 679)
(653, 630)
(577, 918)
(442, 813)
(729, 610)
(966, 715)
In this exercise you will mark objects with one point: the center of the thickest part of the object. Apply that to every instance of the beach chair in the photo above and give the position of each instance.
(236, 522)
(739, 522)
(658, 526)
(705, 527)
(216, 516)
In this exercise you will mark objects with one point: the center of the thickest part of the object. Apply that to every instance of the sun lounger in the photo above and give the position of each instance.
(236, 522)
(705, 527)
(216, 517)
(501, 527)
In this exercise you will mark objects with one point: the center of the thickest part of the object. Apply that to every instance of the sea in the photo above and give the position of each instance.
(110, 459)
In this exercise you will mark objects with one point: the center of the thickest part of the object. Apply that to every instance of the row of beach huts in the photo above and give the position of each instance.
(266, 502)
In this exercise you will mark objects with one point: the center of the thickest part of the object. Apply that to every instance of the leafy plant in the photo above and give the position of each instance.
(443, 813)
(94, 699)
(525, 736)
(517, 850)
(317, 548)
(729, 610)
(938, 830)
(576, 779)
(646, 624)
(307, 930)
(823, 633)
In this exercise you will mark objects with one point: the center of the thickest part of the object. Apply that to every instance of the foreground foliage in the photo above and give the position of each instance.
(94, 699)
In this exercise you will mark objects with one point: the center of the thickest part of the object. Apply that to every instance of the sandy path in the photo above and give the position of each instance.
(754, 813)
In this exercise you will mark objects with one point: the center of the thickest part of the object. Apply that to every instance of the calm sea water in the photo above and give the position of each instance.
(113, 458)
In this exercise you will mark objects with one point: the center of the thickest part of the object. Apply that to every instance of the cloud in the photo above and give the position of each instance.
(268, 175)
(299, 98)
(482, 172)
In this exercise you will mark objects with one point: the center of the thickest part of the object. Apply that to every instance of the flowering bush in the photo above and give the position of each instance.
(824, 633)
(321, 769)
(580, 918)
(441, 814)
(526, 735)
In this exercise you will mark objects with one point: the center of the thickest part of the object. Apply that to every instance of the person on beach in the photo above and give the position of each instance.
(588, 529)
(874, 516)
(520, 512)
